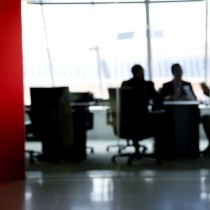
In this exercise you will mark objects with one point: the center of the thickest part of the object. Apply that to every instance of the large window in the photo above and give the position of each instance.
(90, 47)
(178, 34)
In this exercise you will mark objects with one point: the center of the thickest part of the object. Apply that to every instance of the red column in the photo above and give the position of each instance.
(12, 164)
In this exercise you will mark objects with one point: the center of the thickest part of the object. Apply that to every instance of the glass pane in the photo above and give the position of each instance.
(121, 41)
(93, 49)
(77, 2)
(172, 1)
(205, 107)
(71, 40)
(35, 57)
(87, 49)
(178, 36)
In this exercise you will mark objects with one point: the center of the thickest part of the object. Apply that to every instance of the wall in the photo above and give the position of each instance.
(11, 92)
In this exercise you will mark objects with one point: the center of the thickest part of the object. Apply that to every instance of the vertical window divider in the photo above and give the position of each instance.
(48, 48)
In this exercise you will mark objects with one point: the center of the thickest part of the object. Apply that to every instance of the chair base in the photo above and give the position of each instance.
(137, 155)
(120, 146)
(91, 149)
(32, 154)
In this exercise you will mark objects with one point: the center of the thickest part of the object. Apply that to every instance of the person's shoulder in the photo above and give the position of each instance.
(129, 81)
(149, 82)
(167, 83)
(186, 83)
(125, 83)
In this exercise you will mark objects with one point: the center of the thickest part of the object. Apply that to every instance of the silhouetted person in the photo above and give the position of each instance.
(146, 89)
(205, 120)
(177, 89)
(138, 103)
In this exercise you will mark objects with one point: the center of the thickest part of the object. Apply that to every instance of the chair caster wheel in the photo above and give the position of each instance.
(119, 151)
(158, 162)
(31, 161)
(113, 160)
(144, 150)
(129, 162)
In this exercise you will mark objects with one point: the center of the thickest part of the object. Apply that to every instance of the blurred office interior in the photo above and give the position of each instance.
(90, 46)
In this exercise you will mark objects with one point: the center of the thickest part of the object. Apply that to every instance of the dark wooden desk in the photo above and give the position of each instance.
(181, 130)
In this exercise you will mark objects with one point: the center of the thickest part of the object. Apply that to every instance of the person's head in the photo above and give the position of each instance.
(137, 71)
(176, 70)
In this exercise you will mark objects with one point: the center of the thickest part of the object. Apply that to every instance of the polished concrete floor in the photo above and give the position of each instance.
(179, 185)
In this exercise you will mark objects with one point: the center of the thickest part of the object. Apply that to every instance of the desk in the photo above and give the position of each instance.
(82, 121)
(181, 130)
(66, 137)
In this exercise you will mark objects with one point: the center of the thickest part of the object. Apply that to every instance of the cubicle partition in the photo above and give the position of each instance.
(60, 120)
(51, 119)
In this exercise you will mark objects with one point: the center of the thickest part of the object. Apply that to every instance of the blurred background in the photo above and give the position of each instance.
(92, 46)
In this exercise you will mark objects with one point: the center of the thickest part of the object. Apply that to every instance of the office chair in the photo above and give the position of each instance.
(133, 123)
(112, 119)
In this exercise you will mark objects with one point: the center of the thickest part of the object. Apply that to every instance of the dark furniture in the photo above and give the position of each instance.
(83, 118)
(132, 124)
(112, 113)
(51, 118)
(59, 119)
(181, 130)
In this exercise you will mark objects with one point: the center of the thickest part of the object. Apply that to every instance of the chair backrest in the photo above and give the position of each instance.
(84, 97)
(129, 113)
(81, 96)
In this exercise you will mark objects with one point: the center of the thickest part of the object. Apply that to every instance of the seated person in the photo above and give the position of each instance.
(205, 120)
(177, 89)
(144, 93)
(149, 93)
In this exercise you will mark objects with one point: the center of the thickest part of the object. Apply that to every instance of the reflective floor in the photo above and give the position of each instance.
(178, 185)
(149, 190)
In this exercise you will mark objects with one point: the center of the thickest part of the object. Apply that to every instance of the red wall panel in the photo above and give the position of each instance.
(11, 92)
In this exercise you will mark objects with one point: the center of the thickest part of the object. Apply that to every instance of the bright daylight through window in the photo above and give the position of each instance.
(90, 47)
